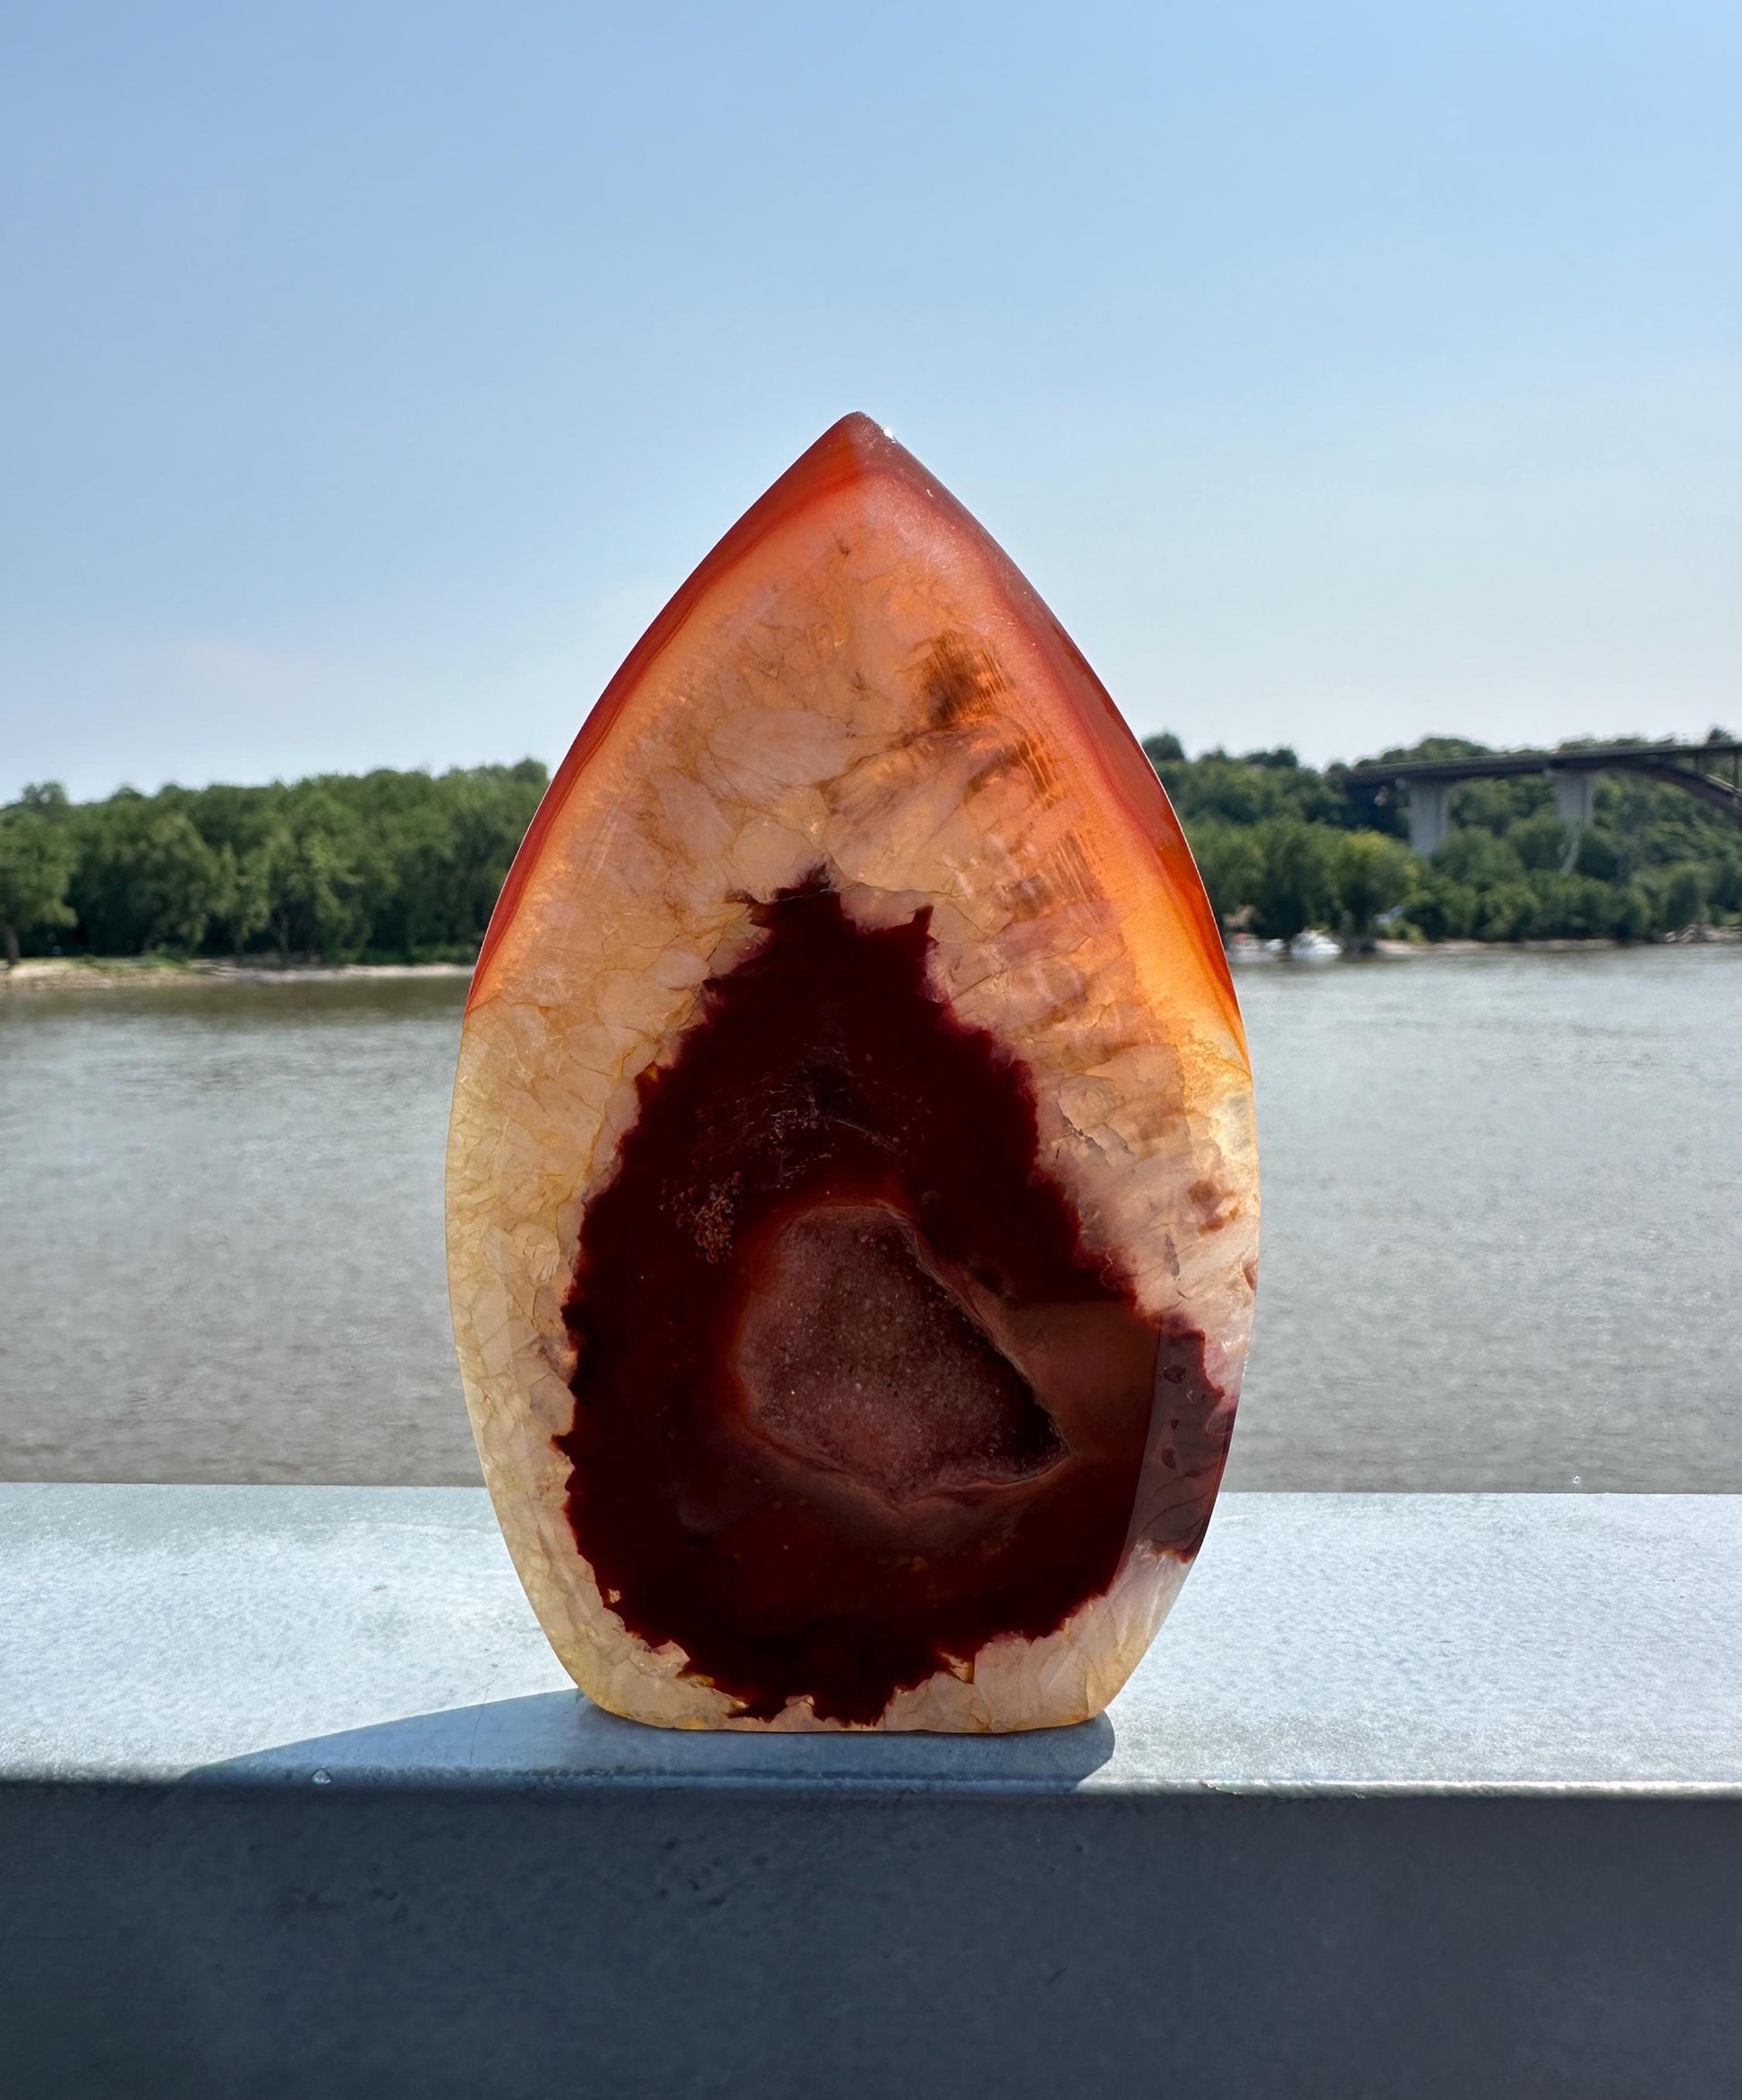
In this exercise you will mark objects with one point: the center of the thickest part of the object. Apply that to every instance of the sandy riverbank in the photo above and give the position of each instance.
(68, 973)
(1421, 951)
(81, 973)
(1691, 938)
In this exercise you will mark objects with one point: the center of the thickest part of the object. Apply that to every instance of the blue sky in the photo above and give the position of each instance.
(1340, 374)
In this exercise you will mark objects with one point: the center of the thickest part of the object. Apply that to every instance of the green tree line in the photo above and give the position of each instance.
(405, 867)
(1284, 846)
(381, 866)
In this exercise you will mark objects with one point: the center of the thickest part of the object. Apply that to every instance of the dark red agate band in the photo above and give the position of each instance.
(850, 1398)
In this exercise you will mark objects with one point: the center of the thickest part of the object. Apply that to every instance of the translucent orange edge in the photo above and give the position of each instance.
(854, 449)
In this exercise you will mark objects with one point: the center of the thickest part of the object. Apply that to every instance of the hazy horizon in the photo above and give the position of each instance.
(1339, 378)
(552, 761)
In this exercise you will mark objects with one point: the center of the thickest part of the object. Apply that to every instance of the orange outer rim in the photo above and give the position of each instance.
(850, 450)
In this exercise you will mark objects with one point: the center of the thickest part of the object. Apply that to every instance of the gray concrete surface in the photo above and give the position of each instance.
(1414, 1796)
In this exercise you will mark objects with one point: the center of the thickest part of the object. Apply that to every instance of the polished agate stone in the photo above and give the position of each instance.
(853, 1199)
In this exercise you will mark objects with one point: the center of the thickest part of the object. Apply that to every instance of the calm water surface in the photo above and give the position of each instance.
(1503, 1237)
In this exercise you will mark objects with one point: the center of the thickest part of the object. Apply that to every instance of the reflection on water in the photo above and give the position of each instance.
(1503, 1240)
(222, 1236)
(1501, 1235)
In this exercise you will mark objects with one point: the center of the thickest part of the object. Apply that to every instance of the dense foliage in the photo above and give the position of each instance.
(405, 867)
(387, 867)
(1283, 846)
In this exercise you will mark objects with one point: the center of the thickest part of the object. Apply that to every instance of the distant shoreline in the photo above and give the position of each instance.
(1700, 937)
(75, 973)
(78, 973)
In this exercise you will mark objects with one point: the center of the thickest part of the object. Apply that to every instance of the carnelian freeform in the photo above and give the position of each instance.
(852, 1194)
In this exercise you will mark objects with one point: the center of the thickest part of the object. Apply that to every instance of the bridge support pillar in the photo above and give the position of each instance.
(1429, 818)
(1574, 806)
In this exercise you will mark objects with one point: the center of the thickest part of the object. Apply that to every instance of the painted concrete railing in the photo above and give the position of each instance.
(1414, 1797)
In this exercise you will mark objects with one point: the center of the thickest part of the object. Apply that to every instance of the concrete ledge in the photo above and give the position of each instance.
(1415, 1796)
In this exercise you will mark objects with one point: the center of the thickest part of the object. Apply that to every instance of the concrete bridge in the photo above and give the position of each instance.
(1428, 781)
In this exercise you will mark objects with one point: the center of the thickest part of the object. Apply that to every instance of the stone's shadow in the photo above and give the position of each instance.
(560, 1737)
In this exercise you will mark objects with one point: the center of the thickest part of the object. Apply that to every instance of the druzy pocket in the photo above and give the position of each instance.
(852, 1199)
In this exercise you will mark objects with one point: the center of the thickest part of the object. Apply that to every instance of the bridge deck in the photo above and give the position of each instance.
(1490, 765)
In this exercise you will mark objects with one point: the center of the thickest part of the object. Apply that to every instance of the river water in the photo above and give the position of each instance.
(1503, 1228)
